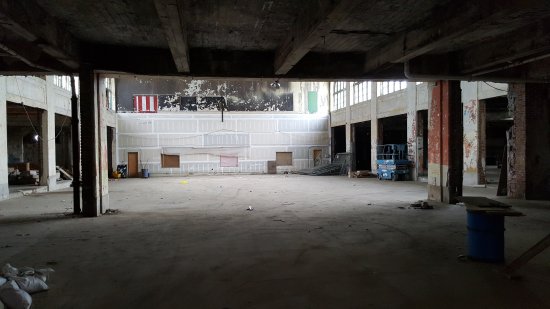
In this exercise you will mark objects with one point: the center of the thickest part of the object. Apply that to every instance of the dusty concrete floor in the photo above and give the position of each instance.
(310, 242)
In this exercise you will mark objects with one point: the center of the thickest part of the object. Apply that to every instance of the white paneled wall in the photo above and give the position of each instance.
(200, 139)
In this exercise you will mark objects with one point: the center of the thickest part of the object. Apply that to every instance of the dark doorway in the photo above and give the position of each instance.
(362, 146)
(498, 119)
(63, 149)
(338, 140)
(422, 142)
(394, 130)
(110, 147)
(25, 144)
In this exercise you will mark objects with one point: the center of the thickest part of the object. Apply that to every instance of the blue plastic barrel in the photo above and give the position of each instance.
(486, 237)
(145, 173)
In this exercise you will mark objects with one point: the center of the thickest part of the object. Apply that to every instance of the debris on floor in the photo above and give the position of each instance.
(362, 174)
(421, 205)
(16, 285)
(111, 212)
(250, 208)
(184, 182)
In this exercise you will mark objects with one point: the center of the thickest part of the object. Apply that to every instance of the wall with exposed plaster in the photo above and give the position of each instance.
(202, 139)
(416, 97)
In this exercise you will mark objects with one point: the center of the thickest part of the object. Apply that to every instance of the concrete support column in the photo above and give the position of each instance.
(4, 188)
(349, 135)
(412, 126)
(91, 197)
(445, 143)
(529, 171)
(473, 131)
(374, 126)
(47, 138)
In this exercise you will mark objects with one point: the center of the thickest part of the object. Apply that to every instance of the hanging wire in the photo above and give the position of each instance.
(494, 87)
(29, 117)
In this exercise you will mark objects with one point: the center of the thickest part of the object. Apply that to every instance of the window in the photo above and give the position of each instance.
(110, 93)
(362, 91)
(283, 158)
(390, 87)
(167, 160)
(339, 92)
(65, 82)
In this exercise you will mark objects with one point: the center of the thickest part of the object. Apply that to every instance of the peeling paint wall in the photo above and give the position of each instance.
(205, 95)
(261, 123)
(471, 142)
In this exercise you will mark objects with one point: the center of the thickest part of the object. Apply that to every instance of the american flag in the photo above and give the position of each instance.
(146, 103)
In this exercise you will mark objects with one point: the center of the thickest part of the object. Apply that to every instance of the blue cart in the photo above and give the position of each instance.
(392, 162)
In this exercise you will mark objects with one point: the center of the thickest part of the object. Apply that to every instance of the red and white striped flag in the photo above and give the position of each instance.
(146, 103)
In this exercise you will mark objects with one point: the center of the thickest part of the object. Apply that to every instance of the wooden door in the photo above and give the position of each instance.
(317, 157)
(133, 164)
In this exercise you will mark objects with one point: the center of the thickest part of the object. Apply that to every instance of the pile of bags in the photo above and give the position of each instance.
(16, 285)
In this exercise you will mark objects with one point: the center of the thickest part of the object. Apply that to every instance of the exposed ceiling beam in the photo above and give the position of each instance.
(515, 49)
(313, 24)
(438, 67)
(170, 15)
(31, 56)
(30, 23)
(215, 63)
(476, 20)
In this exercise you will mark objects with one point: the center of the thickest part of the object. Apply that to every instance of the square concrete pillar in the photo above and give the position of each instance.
(94, 192)
(47, 138)
(445, 143)
(412, 126)
(374, 126)
(4, 188)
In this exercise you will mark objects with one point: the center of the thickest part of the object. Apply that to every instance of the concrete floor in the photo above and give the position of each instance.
(310, 242)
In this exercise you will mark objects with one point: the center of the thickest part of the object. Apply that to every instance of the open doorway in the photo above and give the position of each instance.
(63, 147)
(338, 140)
(24, 145)
(393, 130)
(422, 143)
(498, 119)
(110, 150)
(362, 146)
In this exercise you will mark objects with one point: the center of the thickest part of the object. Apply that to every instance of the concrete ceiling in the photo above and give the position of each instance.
(499, 40)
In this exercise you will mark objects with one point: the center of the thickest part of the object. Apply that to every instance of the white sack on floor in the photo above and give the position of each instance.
(13, 297)
(31, 284)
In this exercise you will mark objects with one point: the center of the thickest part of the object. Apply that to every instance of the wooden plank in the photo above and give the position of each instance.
(481, 201)
(169, 12)
(314, 23)
(64, 173)
(170, 161)
(527, 256)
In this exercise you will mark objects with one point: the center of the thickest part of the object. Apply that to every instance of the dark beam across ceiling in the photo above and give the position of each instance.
(466, 22)
(314, 23)
(170, 13)
(524, 45)
(31, 24)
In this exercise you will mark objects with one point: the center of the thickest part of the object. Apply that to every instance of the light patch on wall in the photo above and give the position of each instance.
(229, 161)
